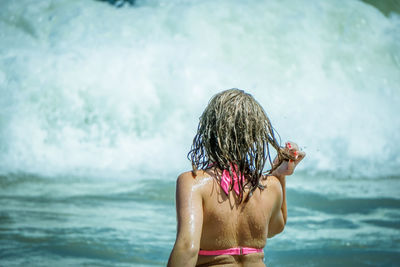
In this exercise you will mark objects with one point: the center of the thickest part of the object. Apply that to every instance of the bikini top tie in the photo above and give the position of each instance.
(227, 180)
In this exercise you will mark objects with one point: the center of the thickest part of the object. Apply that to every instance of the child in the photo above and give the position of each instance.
(226, 207)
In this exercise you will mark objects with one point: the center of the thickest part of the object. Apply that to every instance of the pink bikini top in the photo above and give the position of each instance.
(227, 180)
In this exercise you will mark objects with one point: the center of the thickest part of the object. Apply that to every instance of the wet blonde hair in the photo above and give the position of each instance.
(234, 130)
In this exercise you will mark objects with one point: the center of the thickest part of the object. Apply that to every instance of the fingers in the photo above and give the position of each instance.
(291, 164)
(301, 155)
(287, 152)
(291, 157)
(291, 153)
(294, 151)
(292, 145)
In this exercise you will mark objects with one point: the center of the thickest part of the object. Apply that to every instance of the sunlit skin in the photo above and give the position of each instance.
(210, 220)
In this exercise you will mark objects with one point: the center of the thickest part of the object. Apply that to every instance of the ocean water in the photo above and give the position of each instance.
(99, 105)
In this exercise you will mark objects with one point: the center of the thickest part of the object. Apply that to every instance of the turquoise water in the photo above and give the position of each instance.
(46, 222)
(99, 105)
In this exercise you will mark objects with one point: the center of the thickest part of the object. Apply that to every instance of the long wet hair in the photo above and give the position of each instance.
(235, 134)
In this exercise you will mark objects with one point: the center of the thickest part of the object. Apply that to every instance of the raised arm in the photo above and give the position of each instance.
(189, 209)
(279, 215)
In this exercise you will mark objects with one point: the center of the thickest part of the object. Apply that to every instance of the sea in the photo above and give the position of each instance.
(100, 101)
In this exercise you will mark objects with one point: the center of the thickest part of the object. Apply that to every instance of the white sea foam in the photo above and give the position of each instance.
(89, 89)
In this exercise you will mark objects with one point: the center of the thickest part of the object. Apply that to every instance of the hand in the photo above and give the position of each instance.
(287, 166)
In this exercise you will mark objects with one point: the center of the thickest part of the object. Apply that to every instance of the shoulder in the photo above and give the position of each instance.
(189, 191)
(190, 177)
(184, 182)
(189, 180)
(273, 185)
(185, 177)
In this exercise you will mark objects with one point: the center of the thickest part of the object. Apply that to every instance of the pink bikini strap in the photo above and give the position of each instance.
(227, 180)
(230, 251)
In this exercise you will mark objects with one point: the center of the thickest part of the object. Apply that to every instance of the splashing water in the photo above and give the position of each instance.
(88, 89)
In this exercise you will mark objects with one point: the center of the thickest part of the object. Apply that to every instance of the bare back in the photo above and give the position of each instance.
(228, 223)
